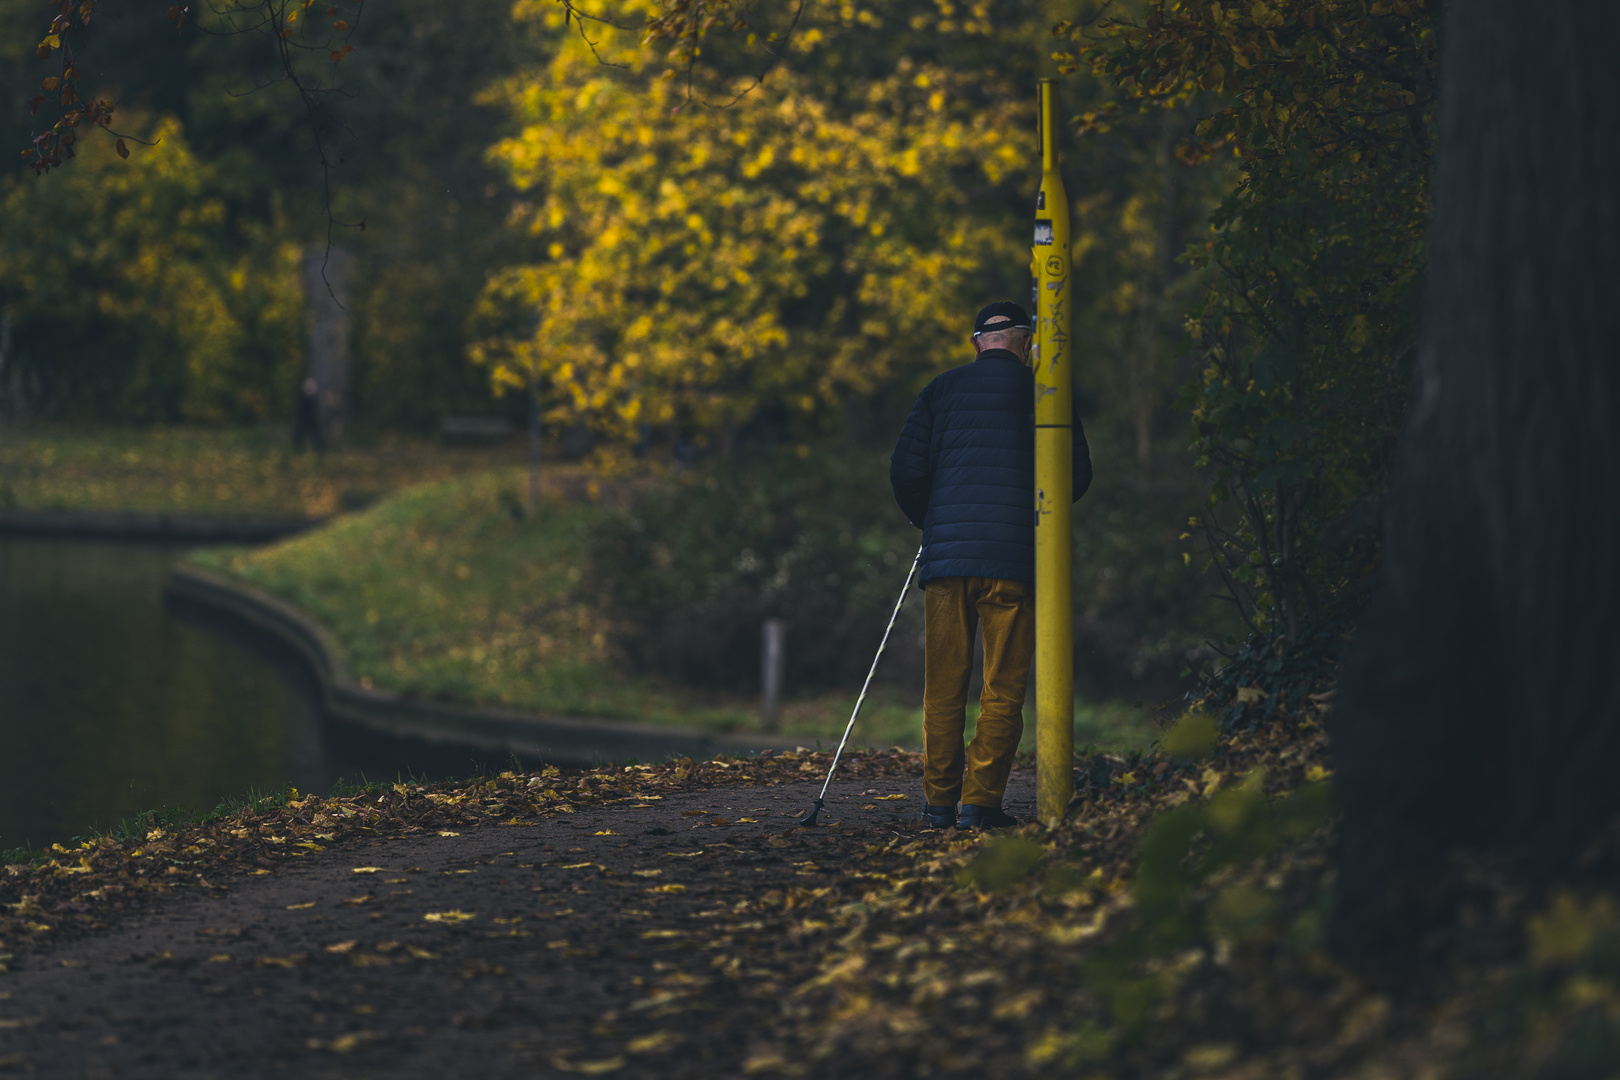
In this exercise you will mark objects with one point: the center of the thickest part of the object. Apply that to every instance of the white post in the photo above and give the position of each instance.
(326, 319)
(771, 654)
(533, 499)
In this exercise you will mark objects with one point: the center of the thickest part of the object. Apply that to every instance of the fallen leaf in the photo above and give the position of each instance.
(765, 1062)
(280, 961)
(343, 1044)
(454, 915)
(656, 1043)
(589, 1068)
(341, 947)
(300, 907)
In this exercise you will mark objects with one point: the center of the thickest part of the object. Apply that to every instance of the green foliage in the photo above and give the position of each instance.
(1312, 266)
(1192, 737)
(1565, 1002)
(1144, 614)
(1004, 861)
(144, 289)
(692, 568)
(1265, 677)
(406, 140)
(1196, 885)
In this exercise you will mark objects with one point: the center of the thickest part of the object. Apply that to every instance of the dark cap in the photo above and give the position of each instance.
(1001, 315)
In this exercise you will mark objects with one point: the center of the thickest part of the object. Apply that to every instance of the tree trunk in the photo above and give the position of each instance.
(1481, 700)
(326, 318)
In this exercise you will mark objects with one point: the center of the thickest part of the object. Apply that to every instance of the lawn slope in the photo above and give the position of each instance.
(449, 591)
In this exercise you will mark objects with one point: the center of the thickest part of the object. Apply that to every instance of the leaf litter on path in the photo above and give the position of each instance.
(757, 948)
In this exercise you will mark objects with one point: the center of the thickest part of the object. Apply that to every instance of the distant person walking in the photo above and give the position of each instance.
(307, 423)
(964, 473)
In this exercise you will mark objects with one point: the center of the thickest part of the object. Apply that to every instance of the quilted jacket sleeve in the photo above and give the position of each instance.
(910, 467)
(1082, 459)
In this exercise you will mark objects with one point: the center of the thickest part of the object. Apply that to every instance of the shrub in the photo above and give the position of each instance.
(689, 572)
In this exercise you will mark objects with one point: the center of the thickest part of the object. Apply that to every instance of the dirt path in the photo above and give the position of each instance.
(587, 943)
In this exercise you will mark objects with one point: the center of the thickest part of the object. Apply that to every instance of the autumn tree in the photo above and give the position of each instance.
(1324, 107)
(148, 289)
(714, 250)
(1481, 706)
(406, 139)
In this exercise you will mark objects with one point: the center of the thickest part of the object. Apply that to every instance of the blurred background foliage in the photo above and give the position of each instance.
(690, 567)
(235, 185)
(697, 270)
(1306, 329)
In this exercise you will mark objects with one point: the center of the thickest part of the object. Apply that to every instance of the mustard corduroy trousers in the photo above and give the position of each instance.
(953, 607)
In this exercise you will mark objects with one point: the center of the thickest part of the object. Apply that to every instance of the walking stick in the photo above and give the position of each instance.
(810, 818)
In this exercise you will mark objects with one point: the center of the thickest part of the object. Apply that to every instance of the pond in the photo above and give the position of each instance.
(111, 704)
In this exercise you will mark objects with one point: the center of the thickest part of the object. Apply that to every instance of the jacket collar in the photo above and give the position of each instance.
(1001, 354)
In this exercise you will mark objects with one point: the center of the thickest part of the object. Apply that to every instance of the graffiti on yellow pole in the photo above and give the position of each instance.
(1053, 363)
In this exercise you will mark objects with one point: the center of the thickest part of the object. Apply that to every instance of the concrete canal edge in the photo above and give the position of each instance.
(134, 525)
(438, 728)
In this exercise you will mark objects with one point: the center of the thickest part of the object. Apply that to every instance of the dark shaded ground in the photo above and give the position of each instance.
(588, 943)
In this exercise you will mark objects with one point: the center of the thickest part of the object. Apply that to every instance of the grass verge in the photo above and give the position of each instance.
(223, 471)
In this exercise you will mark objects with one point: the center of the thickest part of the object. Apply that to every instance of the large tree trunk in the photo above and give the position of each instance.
(1481, 705)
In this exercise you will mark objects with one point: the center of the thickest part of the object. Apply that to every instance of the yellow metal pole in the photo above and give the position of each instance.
(1054, 483)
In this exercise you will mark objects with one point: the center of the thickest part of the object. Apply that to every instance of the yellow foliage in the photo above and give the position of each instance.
(1570, 928)
(702, 263)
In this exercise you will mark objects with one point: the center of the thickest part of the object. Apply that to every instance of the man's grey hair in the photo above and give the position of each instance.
(1004, 339)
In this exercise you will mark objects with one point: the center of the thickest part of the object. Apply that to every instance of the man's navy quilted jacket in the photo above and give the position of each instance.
(964, 470)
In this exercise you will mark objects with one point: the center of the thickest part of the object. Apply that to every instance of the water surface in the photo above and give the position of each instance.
(111, 705)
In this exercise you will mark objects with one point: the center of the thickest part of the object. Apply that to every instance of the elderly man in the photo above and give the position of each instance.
(964, 473)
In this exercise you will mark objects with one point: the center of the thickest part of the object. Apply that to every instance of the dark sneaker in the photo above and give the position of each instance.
(985, 817)
(939, 817)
